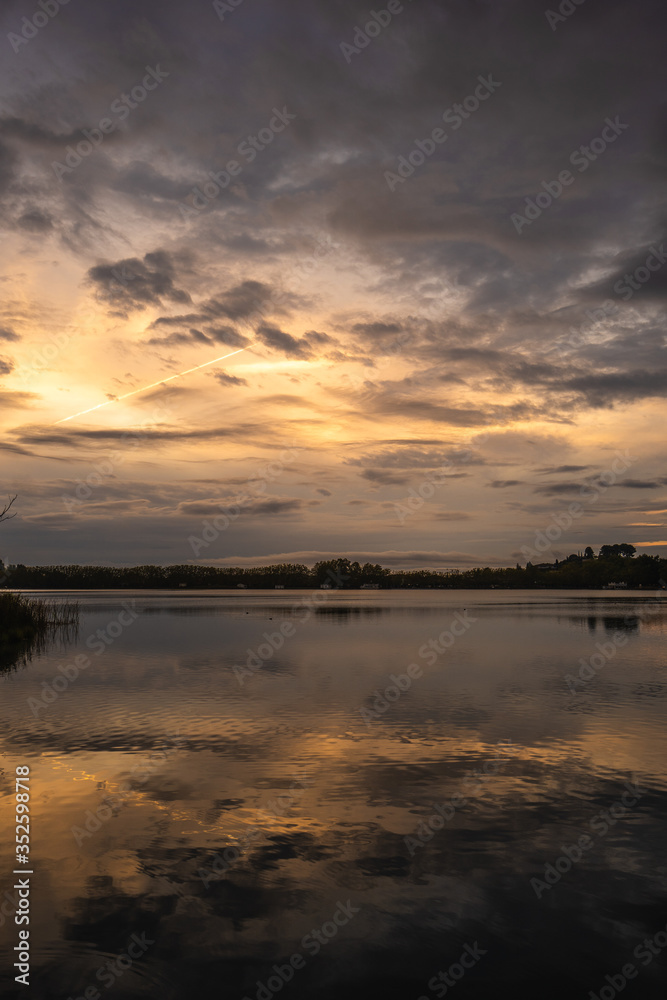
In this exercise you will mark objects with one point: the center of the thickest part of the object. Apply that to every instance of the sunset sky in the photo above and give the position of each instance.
(409, 322)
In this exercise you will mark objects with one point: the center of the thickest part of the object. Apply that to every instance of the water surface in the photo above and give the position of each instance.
(223, 795)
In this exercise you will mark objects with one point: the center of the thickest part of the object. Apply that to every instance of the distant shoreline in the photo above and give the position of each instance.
(236, 591)
(616, 567)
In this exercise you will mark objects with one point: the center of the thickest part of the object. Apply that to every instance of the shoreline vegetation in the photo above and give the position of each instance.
(25, 618)
(27, 623)
(615, 566)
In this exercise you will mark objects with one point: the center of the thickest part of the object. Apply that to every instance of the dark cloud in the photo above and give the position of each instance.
(381, 477)
(285, 343)
(241, 302)
(8, 164)
(319, 338)
(145, 437)
(35, 221)
(556, 489)
(224, 379)
(214, 335)
(410, 457)
(554, 470)
(375, 330)
(34, 134)
(6, 334)
(607, 389)
(559, 489)
(227, 335)
(642, 484)
(501, 484)
(173, 339)
(132, 284)
(256, 507)
(639, 274)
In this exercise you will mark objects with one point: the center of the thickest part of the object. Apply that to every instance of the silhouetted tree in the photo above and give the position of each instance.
(4, 516)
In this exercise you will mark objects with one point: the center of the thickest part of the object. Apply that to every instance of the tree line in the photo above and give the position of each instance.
(614, 564)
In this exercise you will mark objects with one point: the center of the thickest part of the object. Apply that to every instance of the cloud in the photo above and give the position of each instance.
(640, 272)
(132, 284)
(241, 302)
(253, 506)
(17, 400)
(602, 390)
(556, 489)
(285, 343)
(555, 469)
(216, 335)
(559, 489)
(391, 558)
(380, 477)
(225, 379)
(408, 457)
(35, 221)
(130, 436)
(377, 330)
(502, 484)
(7, 334)
(642, 484)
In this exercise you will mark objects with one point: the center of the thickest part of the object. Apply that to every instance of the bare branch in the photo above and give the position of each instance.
(4, 516)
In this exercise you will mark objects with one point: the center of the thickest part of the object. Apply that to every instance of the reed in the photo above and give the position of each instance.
(27, 617)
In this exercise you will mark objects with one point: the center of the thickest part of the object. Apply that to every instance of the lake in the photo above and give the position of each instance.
(318, 794)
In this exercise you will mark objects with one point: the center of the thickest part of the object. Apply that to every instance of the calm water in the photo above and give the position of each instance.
(259, 835)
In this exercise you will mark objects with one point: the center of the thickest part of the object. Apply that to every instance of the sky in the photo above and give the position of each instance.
(414, 254)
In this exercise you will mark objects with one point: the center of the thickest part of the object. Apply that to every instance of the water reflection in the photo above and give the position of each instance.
(14, 655)
(228, 823)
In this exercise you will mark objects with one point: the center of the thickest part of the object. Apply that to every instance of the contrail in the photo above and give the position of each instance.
(144, 388)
